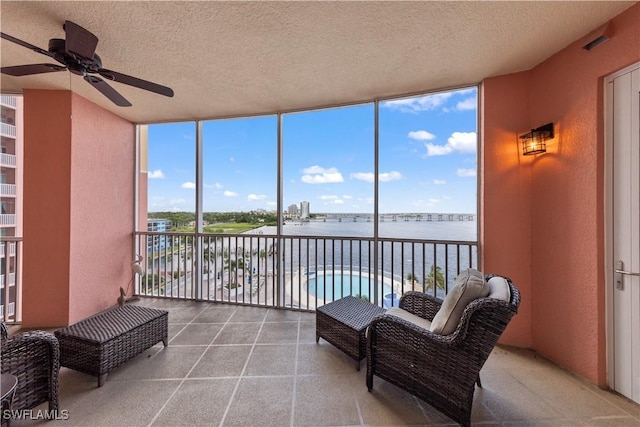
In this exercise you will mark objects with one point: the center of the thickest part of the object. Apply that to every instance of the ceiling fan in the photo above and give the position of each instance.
(77, 55)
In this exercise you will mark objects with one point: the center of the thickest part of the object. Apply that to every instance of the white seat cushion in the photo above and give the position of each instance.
(409, 317)
(469, 285)
(499, 289)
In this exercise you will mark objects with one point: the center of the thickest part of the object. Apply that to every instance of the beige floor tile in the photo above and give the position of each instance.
(272, 359)
(327, 400)
(197, 403)
(238, 333)
(222, 361)
(265, 368)
(262, 401)
(197, 334)
(278, 333)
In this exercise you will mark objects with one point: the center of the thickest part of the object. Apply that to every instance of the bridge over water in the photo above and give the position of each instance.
(364, 217)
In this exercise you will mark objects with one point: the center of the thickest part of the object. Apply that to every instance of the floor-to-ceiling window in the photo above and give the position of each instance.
(427, 182)
(373, 191)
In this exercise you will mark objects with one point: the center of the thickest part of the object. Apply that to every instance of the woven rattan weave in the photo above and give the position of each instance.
(33, 357)
(440, 369)
(343, 323)
(101, 343)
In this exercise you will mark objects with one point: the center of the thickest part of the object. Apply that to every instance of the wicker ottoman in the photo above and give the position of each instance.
(101, 343)
(344, 322)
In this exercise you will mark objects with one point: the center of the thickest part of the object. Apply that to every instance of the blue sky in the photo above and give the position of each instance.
(427, 152)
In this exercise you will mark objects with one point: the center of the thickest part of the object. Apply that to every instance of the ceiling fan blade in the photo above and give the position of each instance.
(134, 81)
(25, 44)
(26, 70)
(107, 91)
(79, 42)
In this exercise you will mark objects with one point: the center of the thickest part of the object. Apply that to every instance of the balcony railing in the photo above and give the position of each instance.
(7, 280)
(8, 100)
(3, 246)
(300, 272)
(7, 130)
(7, 159)
(7, 219)
(7, 189)
(10, 284)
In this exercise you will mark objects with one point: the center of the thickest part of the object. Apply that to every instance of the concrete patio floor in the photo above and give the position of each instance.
(248, 366)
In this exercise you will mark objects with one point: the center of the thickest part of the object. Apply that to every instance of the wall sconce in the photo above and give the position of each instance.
(534, 142)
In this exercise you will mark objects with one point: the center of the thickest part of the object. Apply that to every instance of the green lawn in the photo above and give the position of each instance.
(223, 228)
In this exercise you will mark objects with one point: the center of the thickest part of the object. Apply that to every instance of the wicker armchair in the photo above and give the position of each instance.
(439, 369)
(33, 357)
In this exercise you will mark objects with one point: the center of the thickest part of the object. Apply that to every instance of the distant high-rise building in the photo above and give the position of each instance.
(293, 210)
(11, 172)
(304, 210)
(155, 243)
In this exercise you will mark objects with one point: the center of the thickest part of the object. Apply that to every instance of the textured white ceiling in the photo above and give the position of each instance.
(227, 59)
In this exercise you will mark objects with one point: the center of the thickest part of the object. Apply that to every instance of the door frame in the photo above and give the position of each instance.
(608, 217)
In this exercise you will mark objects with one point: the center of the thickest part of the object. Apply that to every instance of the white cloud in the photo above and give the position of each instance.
(231, 159)
(421, 135)
(467, 104)
(337, 202)
(460, 142)
(230, 194)
(189, 185)
(319, 175)
(422, 103)
(156, 174)
(390, 176)
(362, 176)
(328, 197)
(434, 201)
(383, 177)
(466, 172)
(215, 185)
(439, 181)
(272, 204)
(254, 197)
(434, 102)
(347, 197)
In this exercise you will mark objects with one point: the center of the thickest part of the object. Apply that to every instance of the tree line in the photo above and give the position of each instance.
(182, 219)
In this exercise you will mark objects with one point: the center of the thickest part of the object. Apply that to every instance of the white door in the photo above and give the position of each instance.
(623, 128)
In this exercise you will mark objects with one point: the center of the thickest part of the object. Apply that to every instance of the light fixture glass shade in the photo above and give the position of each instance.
(535, 142)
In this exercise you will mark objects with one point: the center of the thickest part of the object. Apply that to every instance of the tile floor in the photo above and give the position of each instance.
(247, 366)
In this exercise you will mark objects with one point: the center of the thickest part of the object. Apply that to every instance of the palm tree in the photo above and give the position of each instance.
(412, 282)
(209, 256)
(263, 258)
(233, 265)
(435, 276)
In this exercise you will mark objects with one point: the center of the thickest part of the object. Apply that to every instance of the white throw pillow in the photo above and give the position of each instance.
(469, 285)
(409, 317)
(499, 289)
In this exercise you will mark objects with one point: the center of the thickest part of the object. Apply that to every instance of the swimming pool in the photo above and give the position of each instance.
(333, 286)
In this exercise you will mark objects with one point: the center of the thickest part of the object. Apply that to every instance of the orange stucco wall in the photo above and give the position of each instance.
(505, 198)
(78, 207)
(47, 208)
(566, 244)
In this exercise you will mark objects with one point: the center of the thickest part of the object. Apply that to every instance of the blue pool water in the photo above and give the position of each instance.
(335, 286)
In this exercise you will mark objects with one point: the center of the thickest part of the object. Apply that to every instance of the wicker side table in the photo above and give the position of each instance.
(344, 322)
(101, 343)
